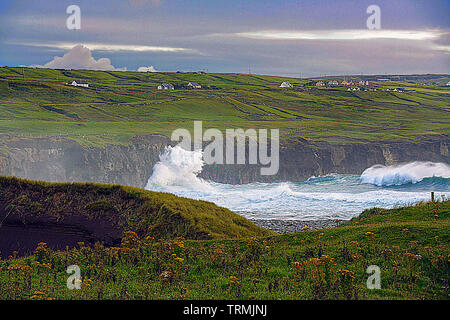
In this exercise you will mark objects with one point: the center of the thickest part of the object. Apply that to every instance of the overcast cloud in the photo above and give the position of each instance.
(290, 37)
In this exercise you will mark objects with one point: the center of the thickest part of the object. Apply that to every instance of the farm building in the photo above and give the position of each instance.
(319, 84)
(78, 84)
(166, 86)
(194, 85)
(286, 84)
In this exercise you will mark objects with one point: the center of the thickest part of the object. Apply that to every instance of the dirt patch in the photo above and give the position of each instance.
(24, 237)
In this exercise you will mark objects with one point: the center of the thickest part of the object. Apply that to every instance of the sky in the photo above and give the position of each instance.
(301, 38)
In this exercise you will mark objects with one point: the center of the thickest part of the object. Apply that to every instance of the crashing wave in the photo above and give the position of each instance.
(178, 167)
(413, 172)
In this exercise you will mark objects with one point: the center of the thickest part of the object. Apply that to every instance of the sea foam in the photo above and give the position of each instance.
(413, 172)
(178, 167)
(333, 196)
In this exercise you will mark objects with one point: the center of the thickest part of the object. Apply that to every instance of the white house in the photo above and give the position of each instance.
(166, 86)
(286, 84)
(78, 84)
(194, 85)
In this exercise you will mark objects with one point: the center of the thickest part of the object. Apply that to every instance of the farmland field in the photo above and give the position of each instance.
(120, 105)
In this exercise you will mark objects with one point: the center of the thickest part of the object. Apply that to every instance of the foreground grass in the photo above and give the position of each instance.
(410, 246)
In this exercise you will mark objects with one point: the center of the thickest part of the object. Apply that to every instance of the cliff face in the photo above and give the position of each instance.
(304, 159)
(65, 160)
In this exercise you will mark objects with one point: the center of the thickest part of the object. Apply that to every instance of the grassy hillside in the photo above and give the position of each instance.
(119, 105)
(120, 208)
(409, 245)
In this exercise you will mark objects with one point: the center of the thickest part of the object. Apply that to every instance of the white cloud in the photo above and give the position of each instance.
(147, 69)
(363, 34)
(444, 48)
(109, 47)
(80, 57)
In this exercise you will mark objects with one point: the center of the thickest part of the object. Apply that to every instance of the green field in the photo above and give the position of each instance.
(120, 105)
(409, 245)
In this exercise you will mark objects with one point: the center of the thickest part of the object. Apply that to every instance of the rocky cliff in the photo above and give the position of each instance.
(56, 159)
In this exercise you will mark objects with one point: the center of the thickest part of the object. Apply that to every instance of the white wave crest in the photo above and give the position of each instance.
(328, 197)
(413, 172)
(178, 167)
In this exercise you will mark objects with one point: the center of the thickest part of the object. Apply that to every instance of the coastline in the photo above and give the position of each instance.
(290, 226)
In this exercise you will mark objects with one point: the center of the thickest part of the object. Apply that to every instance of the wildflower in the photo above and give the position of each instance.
(370, 234)
(166, 275)
(409, 255)
(130, 240)
(180, 260)
(149, 239)
(39, 295)
(180, 244)
(387, 253)
(233, 283)
(305, 228)
(344, 273)
(314, 261)
(326, 259)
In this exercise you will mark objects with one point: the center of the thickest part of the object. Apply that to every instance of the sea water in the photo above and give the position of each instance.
(334, 196)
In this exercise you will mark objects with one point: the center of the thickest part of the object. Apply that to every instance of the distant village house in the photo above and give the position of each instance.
(166, 86)
(286, 84)
(194, 85)
(78, 84)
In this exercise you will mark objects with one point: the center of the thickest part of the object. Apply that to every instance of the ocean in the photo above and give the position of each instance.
(334, 196)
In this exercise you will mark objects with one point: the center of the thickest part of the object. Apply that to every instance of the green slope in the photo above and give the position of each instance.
(124, 104)
(145, 212)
